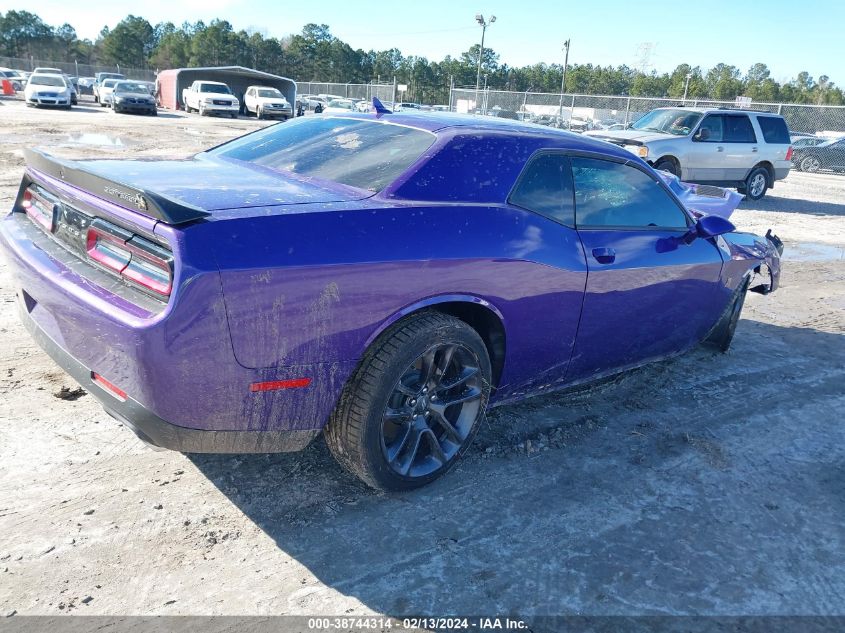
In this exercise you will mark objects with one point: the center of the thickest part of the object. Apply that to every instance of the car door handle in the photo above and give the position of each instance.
(604, 255)
(720, 149)
(753, 149)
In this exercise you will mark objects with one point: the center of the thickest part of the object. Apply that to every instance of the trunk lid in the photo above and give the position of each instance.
(176, 191)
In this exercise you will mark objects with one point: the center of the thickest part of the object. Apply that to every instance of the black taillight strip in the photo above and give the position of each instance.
(149, 257)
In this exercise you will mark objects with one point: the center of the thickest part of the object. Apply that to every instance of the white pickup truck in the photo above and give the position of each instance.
(210, 97)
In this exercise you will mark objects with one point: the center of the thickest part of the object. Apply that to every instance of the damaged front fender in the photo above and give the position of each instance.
(766, 251)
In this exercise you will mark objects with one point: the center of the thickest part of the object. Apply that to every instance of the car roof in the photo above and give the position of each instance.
(47, 75)
(443, 121)
(208, 81)
(725, 109)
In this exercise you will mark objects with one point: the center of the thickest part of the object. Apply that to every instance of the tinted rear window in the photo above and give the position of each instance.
(357, 153)
(774, 129)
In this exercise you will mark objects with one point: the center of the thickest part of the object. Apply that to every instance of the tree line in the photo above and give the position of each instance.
(315, 54)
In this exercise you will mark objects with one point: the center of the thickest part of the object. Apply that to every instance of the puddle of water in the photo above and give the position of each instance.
(812, 252)
(99, 140)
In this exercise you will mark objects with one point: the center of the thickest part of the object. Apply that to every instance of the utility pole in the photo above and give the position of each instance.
(484, 24)
(563, 80)
(686, 86)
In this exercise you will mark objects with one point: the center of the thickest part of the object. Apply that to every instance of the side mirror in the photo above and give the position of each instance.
(707, 226)
(713, 226)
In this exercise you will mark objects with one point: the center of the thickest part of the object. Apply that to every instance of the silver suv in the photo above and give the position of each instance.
(744, 149)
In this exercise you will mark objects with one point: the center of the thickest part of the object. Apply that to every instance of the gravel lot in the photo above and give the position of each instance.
(707, 484)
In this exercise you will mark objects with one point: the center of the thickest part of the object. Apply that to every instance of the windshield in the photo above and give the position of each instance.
(346, 105)
(125, 86)
(110, 83)
(216, 88)
(360, 154)
(45, 80)
(105, 76)
(269, 93)
(677, 122)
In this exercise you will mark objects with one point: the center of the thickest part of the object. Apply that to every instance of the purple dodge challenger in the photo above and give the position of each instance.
(382, 278)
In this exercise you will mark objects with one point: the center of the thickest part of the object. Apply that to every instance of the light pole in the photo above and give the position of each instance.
(484, 24)
(686, 86)
(563, 81)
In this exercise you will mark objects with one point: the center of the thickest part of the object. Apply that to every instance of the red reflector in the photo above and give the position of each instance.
(789, 153)
(272, 385)
(105, 384)
(26, 203)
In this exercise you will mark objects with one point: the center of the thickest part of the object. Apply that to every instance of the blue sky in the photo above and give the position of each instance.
(738, 32)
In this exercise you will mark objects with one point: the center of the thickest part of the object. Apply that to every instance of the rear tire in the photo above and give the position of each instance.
(722, 334)
(414, 404)
(810, 164)
(757, 184)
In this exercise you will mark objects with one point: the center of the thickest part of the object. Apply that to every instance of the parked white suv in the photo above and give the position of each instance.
(264, 101)
(745, 149)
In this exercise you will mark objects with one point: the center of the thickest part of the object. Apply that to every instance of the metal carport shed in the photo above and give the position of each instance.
(170, 83)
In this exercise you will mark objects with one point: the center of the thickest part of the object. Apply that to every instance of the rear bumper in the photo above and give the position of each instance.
(184, 387)
(782, 172)
(158, 432)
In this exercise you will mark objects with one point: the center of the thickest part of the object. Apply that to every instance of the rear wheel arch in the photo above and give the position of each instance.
(479, 314)
(770, 170)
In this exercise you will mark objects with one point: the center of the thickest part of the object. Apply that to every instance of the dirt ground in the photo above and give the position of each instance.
(707, 484)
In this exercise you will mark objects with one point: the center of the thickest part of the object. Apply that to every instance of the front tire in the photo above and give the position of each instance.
(665, 164)
(414, 404)
(722, 334)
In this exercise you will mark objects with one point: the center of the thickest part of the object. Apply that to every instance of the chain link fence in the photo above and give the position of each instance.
(568, 111)
(77, 70)
(580, 112)
(385, 92)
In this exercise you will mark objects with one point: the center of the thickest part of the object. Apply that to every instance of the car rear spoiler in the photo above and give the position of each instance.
(148, 203)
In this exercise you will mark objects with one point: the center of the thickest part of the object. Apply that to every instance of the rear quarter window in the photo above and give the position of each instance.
(774, 129)
(545, 187)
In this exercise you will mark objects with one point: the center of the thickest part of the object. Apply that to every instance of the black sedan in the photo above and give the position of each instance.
(829, 155)
(133, 96)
